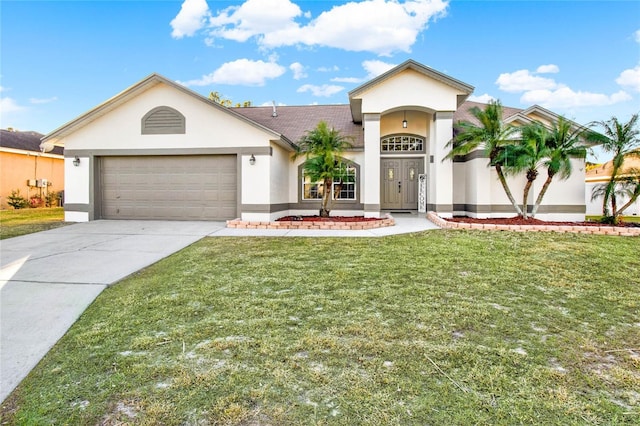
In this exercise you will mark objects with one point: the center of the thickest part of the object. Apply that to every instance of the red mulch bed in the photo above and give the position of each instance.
(518, 220)
(327, 219)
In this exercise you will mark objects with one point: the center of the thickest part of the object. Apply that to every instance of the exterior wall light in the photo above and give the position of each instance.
(252, 160)
(76, 161)
(404, 122)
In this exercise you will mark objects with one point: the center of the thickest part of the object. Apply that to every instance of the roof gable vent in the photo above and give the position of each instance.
(163, 120)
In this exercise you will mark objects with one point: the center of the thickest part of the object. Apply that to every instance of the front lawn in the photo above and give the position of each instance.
(440, 327)
(14, 223)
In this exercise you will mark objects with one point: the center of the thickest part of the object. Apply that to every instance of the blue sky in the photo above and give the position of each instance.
(61, 58)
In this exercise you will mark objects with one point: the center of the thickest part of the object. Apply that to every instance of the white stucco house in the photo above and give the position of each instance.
(158, 150)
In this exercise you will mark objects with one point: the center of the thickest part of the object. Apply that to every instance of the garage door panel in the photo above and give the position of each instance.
(177, 188)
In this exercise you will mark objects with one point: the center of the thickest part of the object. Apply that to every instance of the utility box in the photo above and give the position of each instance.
(31, 182)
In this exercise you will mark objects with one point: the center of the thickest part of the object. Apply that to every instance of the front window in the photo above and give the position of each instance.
(343, 188)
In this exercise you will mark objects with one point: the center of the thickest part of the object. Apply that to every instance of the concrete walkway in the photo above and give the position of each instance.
(48, 279)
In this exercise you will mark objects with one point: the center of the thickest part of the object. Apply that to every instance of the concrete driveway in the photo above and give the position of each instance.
(49, 278)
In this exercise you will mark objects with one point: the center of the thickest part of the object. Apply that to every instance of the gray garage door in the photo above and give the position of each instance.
(189, 187)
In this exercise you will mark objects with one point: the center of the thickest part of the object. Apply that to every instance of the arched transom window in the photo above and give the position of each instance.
(402, 143)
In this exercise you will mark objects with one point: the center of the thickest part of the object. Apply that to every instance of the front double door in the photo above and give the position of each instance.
(399, 183)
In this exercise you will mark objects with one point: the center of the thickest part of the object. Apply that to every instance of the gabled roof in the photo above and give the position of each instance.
(356, 104)
(510, 115)
(416, 66)
(129, 93)
(24, 141)
(463, 113)
(293, 121)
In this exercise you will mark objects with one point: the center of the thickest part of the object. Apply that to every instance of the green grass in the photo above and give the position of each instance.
(14, 223)
(441, 327)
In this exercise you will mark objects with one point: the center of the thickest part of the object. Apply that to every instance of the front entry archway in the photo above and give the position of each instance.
(399, 183)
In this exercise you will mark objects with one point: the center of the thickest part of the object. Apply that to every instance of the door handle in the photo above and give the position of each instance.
(399, 186)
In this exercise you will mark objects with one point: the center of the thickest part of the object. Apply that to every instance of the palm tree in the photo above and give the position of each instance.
(630, 187)
(527, 156)
(621, 140)
(492, 135)
(323, 148)
(564, 142)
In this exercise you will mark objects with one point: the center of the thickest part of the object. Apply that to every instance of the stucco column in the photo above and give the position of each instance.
(440, 178)
(371, 170)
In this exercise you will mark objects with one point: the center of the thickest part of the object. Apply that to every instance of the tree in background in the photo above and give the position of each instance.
(217, 98)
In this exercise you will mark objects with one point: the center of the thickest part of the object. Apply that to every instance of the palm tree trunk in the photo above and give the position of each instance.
(541, 194)
(632, 199)
(325, 209)
(525, 196)
(505, 186)
(607, 197)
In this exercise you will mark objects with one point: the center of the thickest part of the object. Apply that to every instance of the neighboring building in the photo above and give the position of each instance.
(24, 167)
(161, 151)
(601, 174)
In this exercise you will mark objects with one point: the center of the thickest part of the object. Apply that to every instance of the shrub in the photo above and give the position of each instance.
(51, 199)
(36, 201)
(16, 200)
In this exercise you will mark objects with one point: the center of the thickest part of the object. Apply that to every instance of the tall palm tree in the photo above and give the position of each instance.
(492, 135)
(323, 148)
(564, 143)
(528, 155)
(621, 140)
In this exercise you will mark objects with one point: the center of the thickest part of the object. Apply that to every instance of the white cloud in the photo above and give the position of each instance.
(374, 68)
(43, 101)
(240, 72)
(347, 80)
(254, 18)
(329, 69)
(9, 105)
(298, 71)
(551, 94)
(484, 99)
(378, 26)
(630, 78)
(564, 97)
(548, 69)
(325, 90)
(191, 18)
(636, 36)
(522, 81)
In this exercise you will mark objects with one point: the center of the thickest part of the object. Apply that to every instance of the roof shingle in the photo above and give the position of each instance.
(293, 121)
(26, 141)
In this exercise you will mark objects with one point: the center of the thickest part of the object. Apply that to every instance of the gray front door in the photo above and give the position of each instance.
(399, 183)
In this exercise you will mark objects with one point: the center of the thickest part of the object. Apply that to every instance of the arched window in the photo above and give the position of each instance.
(402, 143)
(163, 120)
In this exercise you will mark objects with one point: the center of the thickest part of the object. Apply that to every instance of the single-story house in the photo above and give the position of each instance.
(25, 167)
(601, 174)
(161, 151)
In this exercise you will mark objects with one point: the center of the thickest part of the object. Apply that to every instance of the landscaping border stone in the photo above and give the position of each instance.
(577, 229)
(307, 224)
